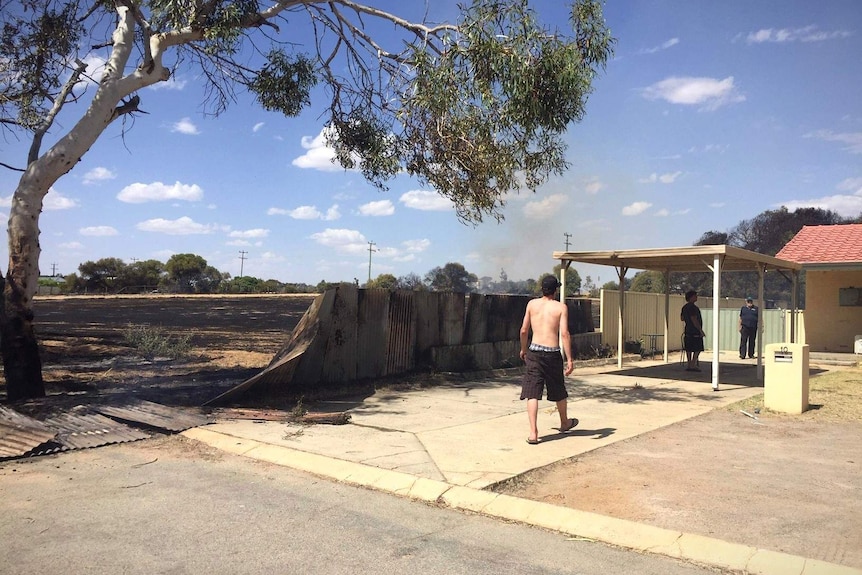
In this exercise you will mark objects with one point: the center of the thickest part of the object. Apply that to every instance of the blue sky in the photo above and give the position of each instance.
(709, 114)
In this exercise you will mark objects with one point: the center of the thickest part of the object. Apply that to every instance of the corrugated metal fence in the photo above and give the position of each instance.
(351, 334)
(644, 314)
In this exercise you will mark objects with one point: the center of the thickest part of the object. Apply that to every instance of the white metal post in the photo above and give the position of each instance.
(716, 289)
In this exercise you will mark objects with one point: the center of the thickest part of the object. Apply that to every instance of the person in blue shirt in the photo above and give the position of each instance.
(748, 318)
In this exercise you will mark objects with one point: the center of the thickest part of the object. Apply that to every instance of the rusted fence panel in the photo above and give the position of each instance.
(340, 354)
(399, 350)
(372, 328)
(452, 319)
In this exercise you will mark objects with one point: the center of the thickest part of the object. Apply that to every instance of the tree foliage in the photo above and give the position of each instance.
(451, 277)
(475, 108)
(765, 233)
(573, 280)
(648, 281)
(383, 281)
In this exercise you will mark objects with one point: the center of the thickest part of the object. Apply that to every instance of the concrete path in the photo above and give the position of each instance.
(446, 443)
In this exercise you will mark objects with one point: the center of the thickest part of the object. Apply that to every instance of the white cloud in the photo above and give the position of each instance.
(426, 201)
(853, 140)
(667, 178)
(318, 156)
(71, 246)
(54, 200)
(852, 185)
(183, 226)
(138, 193)
(342, 240)
(272, 258)
(379, 208)
(710, 93)
(545, 208)
(848, 205)
(806, 34)
(185, 126)
(594, 186)
(662, 213)
(415, 246)
(257, 127)
(98, 174)
(238, 243)
(254, 233)
(171, 84)
(93, 73)
(98, 231)
(306, 213)
(663, 46)
(636, 208)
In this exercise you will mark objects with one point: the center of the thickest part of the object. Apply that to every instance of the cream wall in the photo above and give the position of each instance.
(828, 326)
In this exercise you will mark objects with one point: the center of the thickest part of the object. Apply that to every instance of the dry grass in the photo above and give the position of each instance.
(835, 396)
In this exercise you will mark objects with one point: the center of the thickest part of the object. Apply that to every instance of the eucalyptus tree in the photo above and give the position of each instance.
(474, 108)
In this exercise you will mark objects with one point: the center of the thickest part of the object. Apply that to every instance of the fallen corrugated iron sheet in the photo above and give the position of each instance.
(153, 414)
(61, 428)
(81, 429)
(20, 434)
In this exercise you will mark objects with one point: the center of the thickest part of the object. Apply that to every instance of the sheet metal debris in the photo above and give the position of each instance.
(153, 414)
(20, 434)
(61, 428)
(80, 429)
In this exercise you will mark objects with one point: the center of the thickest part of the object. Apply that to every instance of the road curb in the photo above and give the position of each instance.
(578, 524)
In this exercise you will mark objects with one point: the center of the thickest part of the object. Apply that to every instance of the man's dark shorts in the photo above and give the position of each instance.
(544, 368)
(693, 343)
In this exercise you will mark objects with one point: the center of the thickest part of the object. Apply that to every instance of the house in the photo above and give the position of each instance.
(831, 257)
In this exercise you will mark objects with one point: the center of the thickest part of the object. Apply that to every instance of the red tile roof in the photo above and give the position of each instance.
(825, 244)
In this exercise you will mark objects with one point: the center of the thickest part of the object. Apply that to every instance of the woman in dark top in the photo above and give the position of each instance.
(693, 334)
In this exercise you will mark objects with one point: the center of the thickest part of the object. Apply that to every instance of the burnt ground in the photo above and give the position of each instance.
(785, 483)
(85, 353)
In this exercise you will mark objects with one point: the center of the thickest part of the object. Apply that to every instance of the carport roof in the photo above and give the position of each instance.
(685, 259)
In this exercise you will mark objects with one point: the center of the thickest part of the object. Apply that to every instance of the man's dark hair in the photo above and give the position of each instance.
(549, 285)
(689, 294)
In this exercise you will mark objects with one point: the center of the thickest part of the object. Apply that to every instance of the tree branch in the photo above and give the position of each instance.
(59, 101)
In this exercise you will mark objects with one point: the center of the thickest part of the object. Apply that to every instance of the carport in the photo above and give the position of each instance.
(714, 258)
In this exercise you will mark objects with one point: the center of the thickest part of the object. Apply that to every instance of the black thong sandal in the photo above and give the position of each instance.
(573, 421)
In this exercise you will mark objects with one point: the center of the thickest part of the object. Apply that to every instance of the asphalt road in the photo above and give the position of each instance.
(172, 506)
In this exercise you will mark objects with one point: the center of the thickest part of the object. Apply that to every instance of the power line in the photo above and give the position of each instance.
(568, 235)
(370, 249)
(242, 259)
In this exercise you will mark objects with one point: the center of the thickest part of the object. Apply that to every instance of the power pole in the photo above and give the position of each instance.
(242, 259)
(370, 249)
(568, 235)
(53, 270)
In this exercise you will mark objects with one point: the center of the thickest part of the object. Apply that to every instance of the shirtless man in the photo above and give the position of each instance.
(549, 321)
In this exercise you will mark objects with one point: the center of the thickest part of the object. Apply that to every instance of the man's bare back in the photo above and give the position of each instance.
(548, 319)
(545, 315)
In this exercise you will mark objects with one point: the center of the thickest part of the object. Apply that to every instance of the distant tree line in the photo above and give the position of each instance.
(191, 274)
(182, 274)
(766, 233)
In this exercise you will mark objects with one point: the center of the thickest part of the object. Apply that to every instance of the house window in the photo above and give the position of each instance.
(850, 296)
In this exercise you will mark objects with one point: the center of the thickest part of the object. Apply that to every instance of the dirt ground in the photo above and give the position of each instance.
(785, 483)
(780, 482)
(84, 351)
